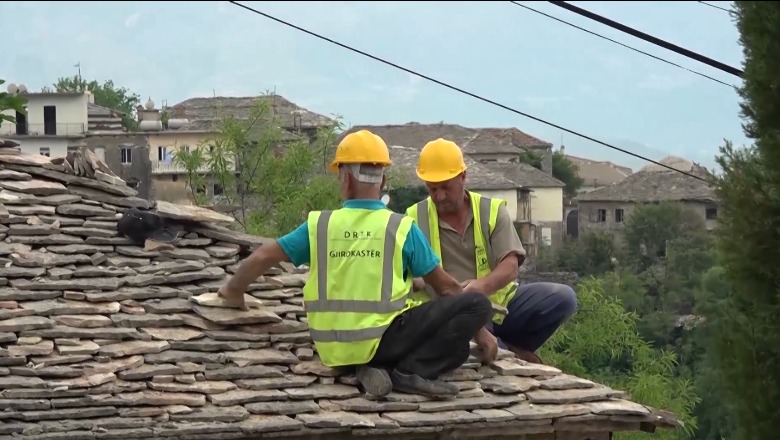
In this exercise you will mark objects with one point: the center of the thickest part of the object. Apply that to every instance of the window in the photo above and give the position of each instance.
(73, 150)
(162, 153)
(619, 215)
(601, 215)
(45, 151)
(185, 148)
(126, 155)
(217, 189)
(711, 213)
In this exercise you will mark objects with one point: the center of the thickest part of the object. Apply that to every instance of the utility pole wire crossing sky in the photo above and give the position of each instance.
(649, 38)
(465, 92)
(621, 44)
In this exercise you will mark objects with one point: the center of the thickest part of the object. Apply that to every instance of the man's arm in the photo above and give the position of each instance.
(258, 263)
(293, 247)
(424, 264)
(442, 282)
(509, 254)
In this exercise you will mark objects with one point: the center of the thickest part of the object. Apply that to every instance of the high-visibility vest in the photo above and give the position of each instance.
(356, 285)
(485, 210)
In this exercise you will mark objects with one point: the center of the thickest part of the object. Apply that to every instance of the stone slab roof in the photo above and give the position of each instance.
(653, 186)
(525, 175)
(470, 140)
(599, 173)
(103, 339)
(479, 176)
(206, 110)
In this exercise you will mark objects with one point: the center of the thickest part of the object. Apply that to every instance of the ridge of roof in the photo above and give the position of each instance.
(104, 339)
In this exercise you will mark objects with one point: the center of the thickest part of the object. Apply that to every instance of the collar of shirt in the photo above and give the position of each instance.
(364, 204)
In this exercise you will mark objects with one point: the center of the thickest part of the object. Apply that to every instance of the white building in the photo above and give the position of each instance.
(55, 123)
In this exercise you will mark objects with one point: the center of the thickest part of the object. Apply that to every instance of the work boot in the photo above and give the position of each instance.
(526, 355)
(414, 384)
(376, 381)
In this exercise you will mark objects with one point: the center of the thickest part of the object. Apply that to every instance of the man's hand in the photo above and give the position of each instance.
(233, 298)
(418, 284)
(488, 346)
(475, 286)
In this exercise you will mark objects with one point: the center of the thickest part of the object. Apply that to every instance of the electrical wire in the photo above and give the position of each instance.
(649, 38)
(730, 11)
(619, 43)
(465, 92)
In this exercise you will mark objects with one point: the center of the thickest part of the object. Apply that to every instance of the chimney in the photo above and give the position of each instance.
(148, 112)
(547, 160)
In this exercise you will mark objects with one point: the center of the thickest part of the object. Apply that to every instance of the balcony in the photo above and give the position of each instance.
(166, 167)
(51, 129)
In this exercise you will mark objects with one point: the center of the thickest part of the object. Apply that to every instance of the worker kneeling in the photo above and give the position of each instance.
(363, 259)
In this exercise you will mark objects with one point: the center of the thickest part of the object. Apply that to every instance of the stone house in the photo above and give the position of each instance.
(146, 156)
(194, 121)
(537, 195)
(595, 174)
(107, 338)
(608, 207)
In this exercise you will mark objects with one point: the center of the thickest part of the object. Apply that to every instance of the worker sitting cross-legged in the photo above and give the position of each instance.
(478, 244)
(363, 259)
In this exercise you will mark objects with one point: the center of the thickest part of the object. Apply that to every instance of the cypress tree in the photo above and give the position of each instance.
(747, 327)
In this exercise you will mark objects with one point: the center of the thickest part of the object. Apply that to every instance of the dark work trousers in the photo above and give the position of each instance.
(535, 312)
(433, 338)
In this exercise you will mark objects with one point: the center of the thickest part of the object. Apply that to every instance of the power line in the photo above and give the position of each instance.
(457, 89)
(621, 44)
(649, 38)
(730, 11)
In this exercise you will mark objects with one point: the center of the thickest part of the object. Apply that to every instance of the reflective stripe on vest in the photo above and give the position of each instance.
(347, 330)
(485, 213)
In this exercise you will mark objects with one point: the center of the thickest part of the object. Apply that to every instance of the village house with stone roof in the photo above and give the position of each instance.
(191, 122)
(102, 337)
(606, 208)
(535, 197)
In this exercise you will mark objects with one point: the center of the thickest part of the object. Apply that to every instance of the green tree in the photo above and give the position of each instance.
(272, 178)
(404, 197)
(10, 102)
(651, 228)
(594, 253)
(563, 169)
(714, 413)
(601, 343)
(747, 339)
(106, 94)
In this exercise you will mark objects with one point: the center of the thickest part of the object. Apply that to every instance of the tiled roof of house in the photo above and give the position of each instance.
(101, 111)
(478, 176)
(470, 140)
(599, 173)
(653, 186)
(525, 175)
(104, 339)
(210, 109)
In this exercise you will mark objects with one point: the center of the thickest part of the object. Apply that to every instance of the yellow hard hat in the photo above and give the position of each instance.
(361, 147)
(440, 160)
